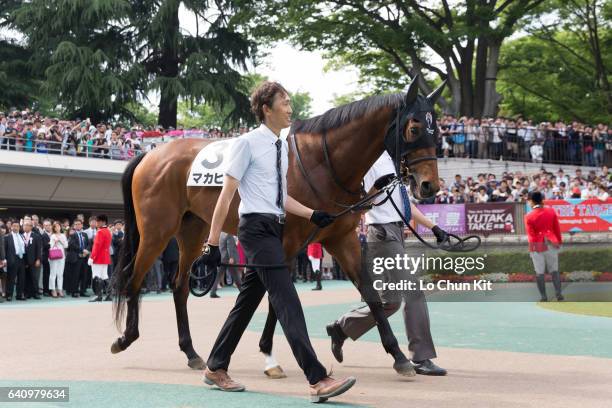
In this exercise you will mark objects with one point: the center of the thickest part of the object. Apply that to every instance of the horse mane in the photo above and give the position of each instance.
(336, 117)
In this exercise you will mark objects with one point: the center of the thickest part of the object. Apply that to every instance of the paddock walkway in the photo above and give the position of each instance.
(497, 354)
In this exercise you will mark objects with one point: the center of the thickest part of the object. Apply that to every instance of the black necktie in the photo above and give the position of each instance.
(279, 180)
(80, 240)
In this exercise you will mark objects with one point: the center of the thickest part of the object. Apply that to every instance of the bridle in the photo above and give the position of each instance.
(398, 147)
(395, 130)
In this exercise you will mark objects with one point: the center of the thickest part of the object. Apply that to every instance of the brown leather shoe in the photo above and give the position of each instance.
(275, 373)
(221, 380)
(328, 387)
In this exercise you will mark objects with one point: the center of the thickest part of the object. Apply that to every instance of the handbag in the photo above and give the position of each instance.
(55, 253)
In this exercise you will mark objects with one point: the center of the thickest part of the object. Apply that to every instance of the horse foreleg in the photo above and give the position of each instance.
(190, 238)
(267, 336)
(401, 364)
(272, 368)
(347, 251)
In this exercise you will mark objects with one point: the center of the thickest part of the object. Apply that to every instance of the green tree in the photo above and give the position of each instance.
(339, 100)
(301, 103)
(99, 57)
(564, 64)
(543, 81)
(394, 40)
(19, 85)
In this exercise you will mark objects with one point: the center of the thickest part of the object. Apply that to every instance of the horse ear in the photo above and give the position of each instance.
(435, 94)
(413, 91)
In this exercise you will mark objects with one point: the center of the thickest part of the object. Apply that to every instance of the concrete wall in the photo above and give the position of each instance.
(42, 178)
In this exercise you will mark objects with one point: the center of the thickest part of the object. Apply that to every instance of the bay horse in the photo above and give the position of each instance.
(335, 149)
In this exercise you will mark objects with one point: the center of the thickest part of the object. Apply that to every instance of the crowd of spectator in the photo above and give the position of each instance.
(514, 186)
(30, 132)
(495, 139)
(29, 269)
(38, 273)
(522, 140)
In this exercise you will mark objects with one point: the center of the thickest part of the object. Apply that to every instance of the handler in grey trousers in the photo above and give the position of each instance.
(229, 254)
(386, 227)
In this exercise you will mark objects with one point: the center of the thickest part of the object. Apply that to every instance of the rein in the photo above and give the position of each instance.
(298, 157)
(210, 277)
(450, 247)
(402, 115)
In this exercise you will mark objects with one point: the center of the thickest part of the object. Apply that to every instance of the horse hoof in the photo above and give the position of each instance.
(196, 363)
(404, 368)
(115, 347)
(275, 373)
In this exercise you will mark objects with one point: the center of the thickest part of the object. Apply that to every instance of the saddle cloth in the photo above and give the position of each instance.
(209, 165)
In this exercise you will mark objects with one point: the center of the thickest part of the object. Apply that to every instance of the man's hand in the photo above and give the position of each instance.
(211, 255)
(383, 181)
(441, 235)
(321, 218)
(37, 263)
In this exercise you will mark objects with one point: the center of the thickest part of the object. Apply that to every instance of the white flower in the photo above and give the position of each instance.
(495, 277)
(580, 276)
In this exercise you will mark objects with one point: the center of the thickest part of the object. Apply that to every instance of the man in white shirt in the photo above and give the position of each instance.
(258, 170)
(386, 232)
(561, 178)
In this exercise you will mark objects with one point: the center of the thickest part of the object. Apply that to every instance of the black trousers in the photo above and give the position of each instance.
(46, 270)
(31, 280)
(261, 239)
(16, 272)
(75, 277)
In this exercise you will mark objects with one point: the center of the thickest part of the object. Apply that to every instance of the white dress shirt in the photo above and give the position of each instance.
(252, 161)
(384, 213)
(19, 244)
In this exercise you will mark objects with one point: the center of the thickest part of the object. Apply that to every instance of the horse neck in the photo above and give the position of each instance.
(355, 147)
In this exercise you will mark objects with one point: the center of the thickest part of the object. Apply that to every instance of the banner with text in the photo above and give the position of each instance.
(490, 218)
(449, 217)
(577, 215)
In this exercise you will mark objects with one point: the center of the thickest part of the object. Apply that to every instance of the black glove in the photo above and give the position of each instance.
(441, 235)
(321, 218)
(211, 256)
(383, 181)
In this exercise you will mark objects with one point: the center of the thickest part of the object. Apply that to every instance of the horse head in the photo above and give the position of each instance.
(411, 140)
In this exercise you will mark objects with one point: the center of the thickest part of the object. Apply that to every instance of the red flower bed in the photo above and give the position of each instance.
(605, 277)
(521, 277)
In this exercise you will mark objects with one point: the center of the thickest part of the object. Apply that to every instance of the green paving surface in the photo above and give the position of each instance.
(94, 394)
(508, 326)
(584, 308)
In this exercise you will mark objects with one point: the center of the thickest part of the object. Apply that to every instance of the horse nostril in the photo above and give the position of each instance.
(426, 188)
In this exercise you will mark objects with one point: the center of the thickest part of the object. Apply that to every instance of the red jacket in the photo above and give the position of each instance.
(542, 224)
(100, 254)
(315, 250)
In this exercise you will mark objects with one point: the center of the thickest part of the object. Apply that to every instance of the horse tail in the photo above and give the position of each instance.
(122, 275)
